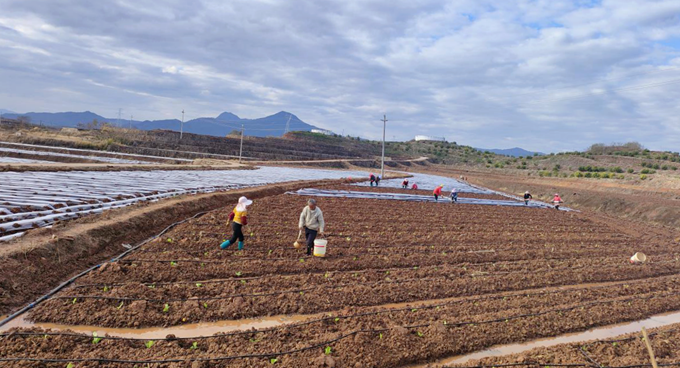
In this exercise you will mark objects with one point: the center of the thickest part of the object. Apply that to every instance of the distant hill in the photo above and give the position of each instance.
(514, 152)
(226, 122)
(3, 112)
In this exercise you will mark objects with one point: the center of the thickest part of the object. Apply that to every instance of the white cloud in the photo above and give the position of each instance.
(481, 72)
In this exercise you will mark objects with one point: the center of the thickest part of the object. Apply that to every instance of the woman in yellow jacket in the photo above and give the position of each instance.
(238, 218)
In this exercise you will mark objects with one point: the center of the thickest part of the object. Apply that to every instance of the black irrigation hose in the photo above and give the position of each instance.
(537, 364)
(74, 278)
(246, 356)
(292, 291)
(326, 343)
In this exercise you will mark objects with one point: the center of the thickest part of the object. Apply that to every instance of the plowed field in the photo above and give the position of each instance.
(403, 283)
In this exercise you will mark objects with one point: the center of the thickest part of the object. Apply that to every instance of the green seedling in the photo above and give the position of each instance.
(205, 305)
(70, 365)
(302, 293)
(106, 288)
(194, 346)
(337, 319)
(445, 323)
(254, 340)
(271, 251)
(205, 254)
(387, 272)
(202, 264)
(420, 334)
(243, 281)
(415, 267)
(152, 286)
(381, 336)
(327, 350)
(169, 240)
(120, 306)
(198, 284)
(302, 260)
(166, 308)
(74, 300)
(355, 258)
(95, 338)
(173, 263)
(273, 361)
(414, 309)
(327, 275)
(348, 238)
(149, 344)
(239, 273)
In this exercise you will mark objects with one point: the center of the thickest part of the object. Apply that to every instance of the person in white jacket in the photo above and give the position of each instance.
(311, 220)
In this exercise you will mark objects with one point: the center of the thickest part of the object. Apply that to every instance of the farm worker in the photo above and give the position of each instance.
(415, 186)
(454, 195)
(238, 218)
(372, 177)
(404, 184)
(527, 197)
(556, 201)
(437, 192)
(377, 180)
(311, 220)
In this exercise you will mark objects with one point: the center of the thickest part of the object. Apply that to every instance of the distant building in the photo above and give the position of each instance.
(322, 131)
(428, 138)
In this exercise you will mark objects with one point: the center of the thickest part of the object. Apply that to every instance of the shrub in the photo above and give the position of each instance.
(643, 177)
(588, 175)
(644, 171)
(630, 171)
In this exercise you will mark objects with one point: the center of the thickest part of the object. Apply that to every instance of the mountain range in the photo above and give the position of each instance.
(226, 122)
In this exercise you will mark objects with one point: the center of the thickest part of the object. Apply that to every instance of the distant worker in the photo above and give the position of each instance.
(377, 180)
(437, 192)
(556, 201)
(372, 177)
(311, 220)
(454, 195)
(404, 184)
(414, 186)
(238, 219)
(527, 197)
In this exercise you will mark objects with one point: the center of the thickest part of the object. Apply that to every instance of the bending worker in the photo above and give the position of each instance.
(311, 220)
(527, 197)
(372, 177)
(438, 192)
(404, 184)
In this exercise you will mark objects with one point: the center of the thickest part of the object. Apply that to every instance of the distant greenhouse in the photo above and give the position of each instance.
(428, 138)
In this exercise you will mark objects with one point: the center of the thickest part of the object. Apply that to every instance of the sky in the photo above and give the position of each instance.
(545, 75)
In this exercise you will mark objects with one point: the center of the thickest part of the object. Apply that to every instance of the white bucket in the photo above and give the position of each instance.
(320, 247)
(638, 258)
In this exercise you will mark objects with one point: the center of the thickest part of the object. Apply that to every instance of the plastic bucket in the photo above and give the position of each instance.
(320, 247)
(638, 258)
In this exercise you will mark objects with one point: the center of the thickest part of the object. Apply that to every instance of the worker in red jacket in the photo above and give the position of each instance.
(414, 186)
(557, 201)
(437, 192)
(404, 184)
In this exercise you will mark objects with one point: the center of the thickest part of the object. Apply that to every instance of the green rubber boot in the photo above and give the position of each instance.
(240, 245)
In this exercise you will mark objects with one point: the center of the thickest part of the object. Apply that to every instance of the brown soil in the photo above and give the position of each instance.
(504, 267)
(627, 350)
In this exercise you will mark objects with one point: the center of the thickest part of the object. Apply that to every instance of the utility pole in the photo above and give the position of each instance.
(382, 164)
(130, 121)
(240, 151)
(119, 112)
(181, 126)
